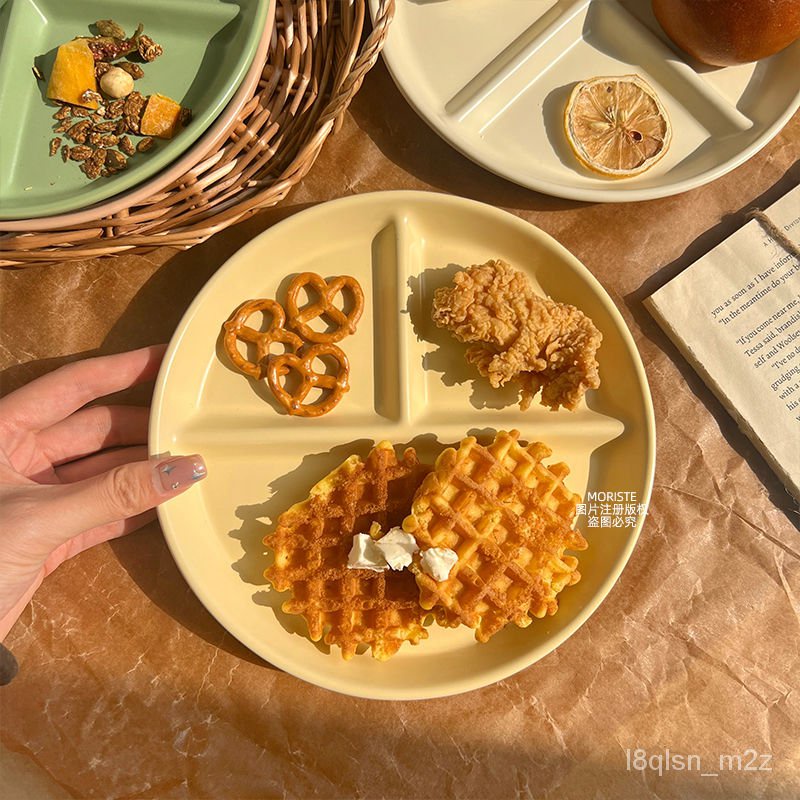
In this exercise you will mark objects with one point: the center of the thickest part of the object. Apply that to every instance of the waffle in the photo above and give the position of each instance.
(311, 542)
(509, 518)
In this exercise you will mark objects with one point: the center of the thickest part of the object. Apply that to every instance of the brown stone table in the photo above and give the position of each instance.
(130, 689)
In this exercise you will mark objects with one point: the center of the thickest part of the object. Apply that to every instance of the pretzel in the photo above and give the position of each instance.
(236, 330)
(337, 385)
(345, 323)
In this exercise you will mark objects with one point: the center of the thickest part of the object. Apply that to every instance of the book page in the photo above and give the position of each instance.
(735, 313)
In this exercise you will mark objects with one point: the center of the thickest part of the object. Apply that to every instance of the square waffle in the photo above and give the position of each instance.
(311, 542)
(509, 519)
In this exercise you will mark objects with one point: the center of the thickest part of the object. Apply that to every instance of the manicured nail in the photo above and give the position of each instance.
(180, 473)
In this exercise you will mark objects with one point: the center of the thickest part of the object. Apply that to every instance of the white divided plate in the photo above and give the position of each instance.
(410, 384)
(492, 77)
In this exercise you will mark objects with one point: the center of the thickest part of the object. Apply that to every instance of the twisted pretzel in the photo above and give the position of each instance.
(235, 330)
(337, 385)
(345, 323)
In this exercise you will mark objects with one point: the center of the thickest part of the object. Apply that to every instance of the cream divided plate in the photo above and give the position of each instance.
(492, 77)
(410, 384)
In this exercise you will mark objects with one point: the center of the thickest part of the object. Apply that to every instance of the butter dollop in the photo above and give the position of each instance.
(365, 554)
(393, 550)
(397, 547)
(437, 562)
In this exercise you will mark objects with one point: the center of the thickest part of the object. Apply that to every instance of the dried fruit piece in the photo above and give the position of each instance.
(110, 48)
(134, 70)
(145, 144)
(617, 126)
(148, 49)
(162, 117)
(72, 79)
(54, 145)
(107, 27)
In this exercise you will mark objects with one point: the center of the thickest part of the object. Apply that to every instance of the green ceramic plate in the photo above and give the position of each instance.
(208, 46)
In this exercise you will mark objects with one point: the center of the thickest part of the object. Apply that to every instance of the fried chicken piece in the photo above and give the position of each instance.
(518, 335)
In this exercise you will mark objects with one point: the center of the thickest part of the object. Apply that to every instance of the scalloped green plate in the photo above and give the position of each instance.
(208, 47)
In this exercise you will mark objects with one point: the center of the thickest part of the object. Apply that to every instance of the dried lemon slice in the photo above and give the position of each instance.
(617, 126)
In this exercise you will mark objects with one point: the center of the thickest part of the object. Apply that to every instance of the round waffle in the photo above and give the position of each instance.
(509, 519)
(311, 542)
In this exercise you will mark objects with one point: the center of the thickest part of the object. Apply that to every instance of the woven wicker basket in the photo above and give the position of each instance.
(316, 63)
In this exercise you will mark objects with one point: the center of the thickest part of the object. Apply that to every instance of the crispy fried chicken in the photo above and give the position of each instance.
(519, 335)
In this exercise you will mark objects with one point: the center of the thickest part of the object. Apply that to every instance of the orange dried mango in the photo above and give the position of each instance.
(162, 117)
(73, 74)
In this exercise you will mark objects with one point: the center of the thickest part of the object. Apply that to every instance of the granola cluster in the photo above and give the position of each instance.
(101, 139)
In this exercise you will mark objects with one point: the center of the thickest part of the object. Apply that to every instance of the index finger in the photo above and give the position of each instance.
(51, 398)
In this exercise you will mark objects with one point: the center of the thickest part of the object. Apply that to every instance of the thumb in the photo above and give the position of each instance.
(122, 492)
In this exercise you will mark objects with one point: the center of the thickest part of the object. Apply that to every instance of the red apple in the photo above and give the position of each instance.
(726, 32)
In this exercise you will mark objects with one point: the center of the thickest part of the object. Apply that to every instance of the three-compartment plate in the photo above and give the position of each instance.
(410, 385)
(492, 77)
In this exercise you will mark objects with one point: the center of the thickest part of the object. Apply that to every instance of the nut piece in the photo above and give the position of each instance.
(145, 144)
(90, 96)
(115, 160)
(148, 49)
(80, 152)
(116, 83)
(134, 105)
(115, 109)
(79, 131)
(54, 145)
(100, 69)
(103, 139)
(126, 145)
(134, 70)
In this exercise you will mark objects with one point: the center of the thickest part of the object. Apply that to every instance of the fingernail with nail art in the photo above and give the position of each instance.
(180, 472)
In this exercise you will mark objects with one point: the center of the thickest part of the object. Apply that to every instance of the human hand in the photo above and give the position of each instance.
(61, 490)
